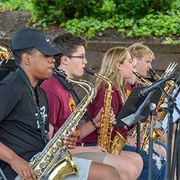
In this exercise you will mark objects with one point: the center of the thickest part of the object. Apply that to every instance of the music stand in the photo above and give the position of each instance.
(136, 110)
(2, 176)
(173, 157)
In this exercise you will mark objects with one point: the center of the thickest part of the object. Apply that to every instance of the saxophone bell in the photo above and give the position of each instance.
(115, 145)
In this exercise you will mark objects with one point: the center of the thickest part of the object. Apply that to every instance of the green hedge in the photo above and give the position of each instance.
(131, 18)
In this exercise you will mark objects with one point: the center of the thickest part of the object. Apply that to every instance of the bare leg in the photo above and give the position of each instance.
(135, 156)
(127, 167)
(160, 150)
(102, 172)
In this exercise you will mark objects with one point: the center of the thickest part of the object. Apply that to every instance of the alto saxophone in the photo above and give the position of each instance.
(104, 139)
(55, 161)
(145, 127)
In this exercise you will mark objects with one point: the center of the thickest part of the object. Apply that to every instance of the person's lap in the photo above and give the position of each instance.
(83, 166)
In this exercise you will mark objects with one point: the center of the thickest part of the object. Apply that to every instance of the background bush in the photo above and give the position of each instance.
(58, 11)
(129, 18)
(140, 8)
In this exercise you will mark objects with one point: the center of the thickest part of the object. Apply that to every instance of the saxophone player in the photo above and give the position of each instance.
(143, 58)
(24, 107)
(73, 62)
(118, 65)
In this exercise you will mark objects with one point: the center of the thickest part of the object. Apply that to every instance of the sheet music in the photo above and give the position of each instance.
(137, 116)
(175, 114)
(129, 119)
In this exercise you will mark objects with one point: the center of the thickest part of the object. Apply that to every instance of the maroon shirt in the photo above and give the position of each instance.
(97, 104)
(61, 103)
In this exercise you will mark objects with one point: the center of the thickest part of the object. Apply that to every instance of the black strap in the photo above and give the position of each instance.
(69, 87)
(35, 96)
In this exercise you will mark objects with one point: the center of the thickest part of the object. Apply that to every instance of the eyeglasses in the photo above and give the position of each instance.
(80, 57)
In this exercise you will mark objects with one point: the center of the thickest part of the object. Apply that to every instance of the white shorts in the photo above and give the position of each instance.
(83, 166)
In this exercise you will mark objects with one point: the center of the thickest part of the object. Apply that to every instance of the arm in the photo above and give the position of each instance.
(51, 130)
(19, 165)
(89, 127)
(81, 149)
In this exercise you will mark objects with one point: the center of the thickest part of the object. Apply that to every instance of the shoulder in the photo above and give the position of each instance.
(12, 82)
(51, 85)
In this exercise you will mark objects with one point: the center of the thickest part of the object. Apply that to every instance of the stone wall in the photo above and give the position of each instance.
(164, 54)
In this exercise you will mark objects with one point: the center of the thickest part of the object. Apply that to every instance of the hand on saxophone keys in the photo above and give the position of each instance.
(97, 119)
(71, 140)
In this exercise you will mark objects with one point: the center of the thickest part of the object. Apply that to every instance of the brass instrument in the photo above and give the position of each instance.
(5, 53)
(169, 70)
(104, 139)
(145, 127)
(145, 135)
(55, 161)
(144, 81)
(153, 74)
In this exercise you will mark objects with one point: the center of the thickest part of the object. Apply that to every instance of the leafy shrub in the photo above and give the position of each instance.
(15, 5)
(130, 18)
(57, 11)
(140, 8)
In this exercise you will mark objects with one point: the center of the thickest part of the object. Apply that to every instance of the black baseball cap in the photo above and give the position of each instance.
(33, 38)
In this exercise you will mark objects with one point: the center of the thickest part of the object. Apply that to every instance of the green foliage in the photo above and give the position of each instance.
(169, 40)
(140, 8)
(58, 11)
(131, 18)
(15, 5)
(152, 25)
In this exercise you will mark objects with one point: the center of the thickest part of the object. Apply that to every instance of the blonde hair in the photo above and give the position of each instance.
(109, 69)
(138, 50)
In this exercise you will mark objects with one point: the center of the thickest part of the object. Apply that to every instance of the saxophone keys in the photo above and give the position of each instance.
(37, 171)
(42, 165)
(54, 149)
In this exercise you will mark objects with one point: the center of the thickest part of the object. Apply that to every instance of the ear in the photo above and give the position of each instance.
(26, 59)
(64, 60)
(118, 66)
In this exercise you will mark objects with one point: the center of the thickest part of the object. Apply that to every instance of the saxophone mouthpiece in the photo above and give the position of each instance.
(89, 71)
(60, 73)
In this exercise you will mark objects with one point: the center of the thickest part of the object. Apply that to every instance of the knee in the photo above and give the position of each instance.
(114, 174)
(137, 163)
(134, 166)
(138, 160)
(160, 150)
(138, 166)
(134, 170)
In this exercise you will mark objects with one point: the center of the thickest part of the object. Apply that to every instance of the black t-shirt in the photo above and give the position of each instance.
(19, 127)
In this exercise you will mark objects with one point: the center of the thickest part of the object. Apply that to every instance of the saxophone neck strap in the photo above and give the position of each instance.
(35, 96)
(69, 87)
